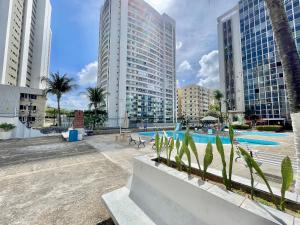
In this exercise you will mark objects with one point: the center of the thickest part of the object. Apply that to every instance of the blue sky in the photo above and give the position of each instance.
(75, 31)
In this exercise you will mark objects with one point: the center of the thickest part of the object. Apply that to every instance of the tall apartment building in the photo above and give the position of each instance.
(25, 43)
(193, 102)
(246, 38)
(137, 62)
(230, 60)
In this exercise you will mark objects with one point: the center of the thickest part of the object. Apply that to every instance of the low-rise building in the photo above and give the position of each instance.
(27, 104)
(193, 102)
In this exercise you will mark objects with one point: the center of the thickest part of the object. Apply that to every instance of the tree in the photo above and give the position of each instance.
(184, 120)
(213, 110)
(58, 85)
(291, 67)
(90, 120)
(97, 101)
(218, 95)
(97, 98)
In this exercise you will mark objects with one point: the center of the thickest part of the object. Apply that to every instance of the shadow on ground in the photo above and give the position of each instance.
(106, 222)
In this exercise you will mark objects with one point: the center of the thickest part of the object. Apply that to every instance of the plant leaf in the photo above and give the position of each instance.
(177, 145)
(178, 162)
(157, 145)
(247, 158)
(208, 158)
(287, 173)
(287, 178)
(161, 143)
(231, 134)
(256, 167)
(188, 156)
(171, 147)
(194, 149)
(220, 149)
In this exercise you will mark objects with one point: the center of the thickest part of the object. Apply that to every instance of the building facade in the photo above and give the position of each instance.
(193, 102)
(25, 42)
(27, 104)
(137, 62)
(230, 58)
(264, 87)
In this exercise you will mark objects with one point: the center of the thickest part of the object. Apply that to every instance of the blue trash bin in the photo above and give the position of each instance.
(73, 135)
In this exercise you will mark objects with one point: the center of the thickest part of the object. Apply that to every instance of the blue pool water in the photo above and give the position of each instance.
(201, 138)
(261, 133)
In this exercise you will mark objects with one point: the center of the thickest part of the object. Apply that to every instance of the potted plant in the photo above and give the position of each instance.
(6, 130)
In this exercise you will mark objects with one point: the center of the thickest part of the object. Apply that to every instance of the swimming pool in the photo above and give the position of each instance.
(262, 133)
(202, 138)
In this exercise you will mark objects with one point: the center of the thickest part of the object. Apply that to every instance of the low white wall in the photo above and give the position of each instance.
(170, 197)
(21, 131)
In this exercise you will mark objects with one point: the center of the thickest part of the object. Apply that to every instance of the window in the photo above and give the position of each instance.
(22, 107)
(33, 97)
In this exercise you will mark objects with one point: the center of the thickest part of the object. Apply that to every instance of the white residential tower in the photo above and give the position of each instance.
(137, 62)
(25, 42)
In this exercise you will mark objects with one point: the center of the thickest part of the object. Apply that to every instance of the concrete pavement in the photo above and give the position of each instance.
(49, 181)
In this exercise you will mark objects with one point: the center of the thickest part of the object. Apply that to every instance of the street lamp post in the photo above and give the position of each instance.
(29, 114)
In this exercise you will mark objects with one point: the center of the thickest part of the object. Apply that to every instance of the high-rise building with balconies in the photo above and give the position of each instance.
(193, 102)
(137, 62)
(25, 42)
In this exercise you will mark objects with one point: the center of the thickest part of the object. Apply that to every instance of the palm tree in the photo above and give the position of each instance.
(218, 95)
(291, 67)
(58, 85)
(97, 98)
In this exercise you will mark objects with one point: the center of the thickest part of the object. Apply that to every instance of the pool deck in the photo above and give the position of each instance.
(49, 181)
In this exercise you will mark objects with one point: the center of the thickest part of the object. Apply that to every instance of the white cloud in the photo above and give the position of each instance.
(88, 75)
(72, 102)
(78, 101)
(209, 71)
(160, 5)
(178, 45)
(184, 66)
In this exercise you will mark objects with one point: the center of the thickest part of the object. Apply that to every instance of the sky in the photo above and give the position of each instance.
(75, 35)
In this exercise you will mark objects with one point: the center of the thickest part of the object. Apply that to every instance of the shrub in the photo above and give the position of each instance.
(241, 127)
(7, 126)
(269, 128)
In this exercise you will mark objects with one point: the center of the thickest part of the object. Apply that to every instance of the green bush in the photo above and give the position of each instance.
(7, 126)
(269, 128)
(241, 127)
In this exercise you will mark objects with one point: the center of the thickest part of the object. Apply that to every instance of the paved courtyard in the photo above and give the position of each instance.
(48, 181)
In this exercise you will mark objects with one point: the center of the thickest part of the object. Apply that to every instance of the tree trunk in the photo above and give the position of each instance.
(296, 128)
(58, 110)
(291, 68)
(54, 117)
(221, 117)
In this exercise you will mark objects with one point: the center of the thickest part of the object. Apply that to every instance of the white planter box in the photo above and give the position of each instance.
(170, 197)
(5, 135)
